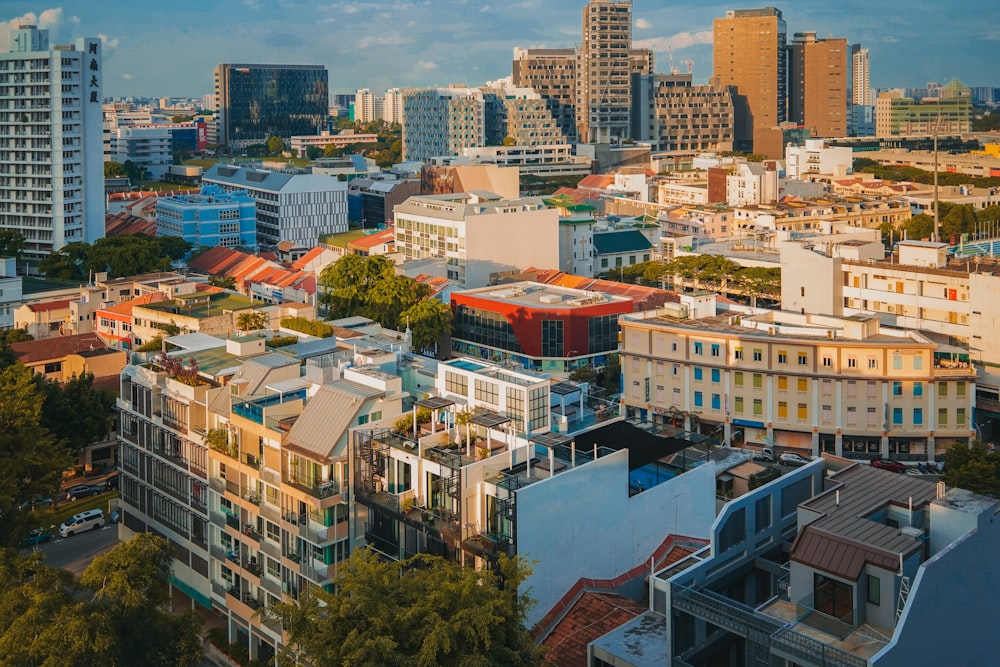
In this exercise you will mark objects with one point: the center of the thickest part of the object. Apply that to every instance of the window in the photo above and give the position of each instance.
(897, 362)
(54, 367)
(716, 350)
(738, 378)
(872, 416)
(918, 388)
(803, 384)
(716, 375)
(758, 380)
(698, 348)
(960, 417)
(698, 399)
(827, 361)
(738, 353)
(659, 393)
(659, 368)
(552, 338)
(852, 362)
(487, 392)
(738, 404)
(782, 382)
(635, 389)
(960, 389)
(852, 416)
(897, 416)
(758, 406)
(603, 331)
(762, 514)
(918, 416)
(874, 590)
(872, 362)
(697, 373)
(803, 411)
(852, 388)
(782, 357)
(827, 414)
(716, 402)
(782, 409)
(943, 389)
(897, 388)
(942, 416)
(918, 362)
(676, 400)
(803, 359)
(758, 354)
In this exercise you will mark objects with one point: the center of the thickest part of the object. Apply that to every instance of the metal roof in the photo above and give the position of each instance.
(564, 388)
(550, 439)
(326, 417)
(632, 240)
(434, 402)
(489, 419)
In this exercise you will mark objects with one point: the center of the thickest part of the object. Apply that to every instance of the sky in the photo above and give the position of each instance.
(170, 48)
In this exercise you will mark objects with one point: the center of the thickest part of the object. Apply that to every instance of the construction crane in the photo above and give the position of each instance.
(670, 56)
(689, 63)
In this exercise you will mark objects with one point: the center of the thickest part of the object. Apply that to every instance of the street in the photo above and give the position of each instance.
(75, 553)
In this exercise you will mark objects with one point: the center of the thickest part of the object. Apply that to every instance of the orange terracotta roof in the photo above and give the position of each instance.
(302, 262)
(125, 307)
(643, 297)
(372, 240)
(48, 306)
(285, 246)
(592, 616)
(596, 181)
(55, 348)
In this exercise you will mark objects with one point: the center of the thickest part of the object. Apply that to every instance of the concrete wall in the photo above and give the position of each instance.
(951, 614)
(582, 523)
(810, 282)
(504, 241)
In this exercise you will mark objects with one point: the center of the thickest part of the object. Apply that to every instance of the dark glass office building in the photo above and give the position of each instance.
(256, 102)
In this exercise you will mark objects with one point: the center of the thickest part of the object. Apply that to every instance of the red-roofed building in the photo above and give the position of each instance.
(114, 324)
(263, 279)
(62, 357)
(643, 297)
(379, 243)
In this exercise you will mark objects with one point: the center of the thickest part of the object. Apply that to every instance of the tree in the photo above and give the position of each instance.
(347, 282)
(611, 374)
(275, 145)
(114, 169)
(116, 614)
(66, 263)
(920, 226)
(11, 243)
(173, 247)
(225, 282)
(251, 320)
(76, 413)
(961, 219)
(974, 468)
(429, 321)
(582, 374)
(423, 611)
(33, 460)
(313, 152)
(180, 119)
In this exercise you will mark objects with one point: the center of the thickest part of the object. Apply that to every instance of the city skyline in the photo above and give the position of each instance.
(404, 44)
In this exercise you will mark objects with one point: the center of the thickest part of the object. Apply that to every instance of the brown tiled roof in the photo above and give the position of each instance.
(32, 351)
(125, 307)
(592, 615)
(48, 306)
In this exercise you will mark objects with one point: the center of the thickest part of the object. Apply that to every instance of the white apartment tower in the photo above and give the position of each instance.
(392, 109)
(51, 143)
(861, 93)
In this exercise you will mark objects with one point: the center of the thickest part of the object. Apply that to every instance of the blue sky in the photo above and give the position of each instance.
(170, 48)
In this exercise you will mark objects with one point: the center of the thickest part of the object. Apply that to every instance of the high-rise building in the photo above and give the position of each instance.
(606, 62)
(861, 92)
(51, 141)
(257, 102)
(817, 84)
(750, 53)
(367, 106)
(673, 115)
(552, 74)
(393, 106)
(950, 113)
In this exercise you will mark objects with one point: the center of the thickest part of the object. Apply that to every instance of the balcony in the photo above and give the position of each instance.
(806, 612)
(316, 571)
(250, 531)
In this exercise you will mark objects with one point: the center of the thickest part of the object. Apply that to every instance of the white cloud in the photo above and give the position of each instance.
(642, 24)
(127, 76)
(389, 39)
(681, 40)
(889, 39)
(49, 19)
(108, 44)
(426, 64)
(329, 20)
(252, 4)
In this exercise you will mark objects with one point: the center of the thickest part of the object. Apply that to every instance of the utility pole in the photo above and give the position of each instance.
(937, 229)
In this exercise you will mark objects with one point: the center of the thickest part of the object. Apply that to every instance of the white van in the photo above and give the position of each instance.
(91, 519)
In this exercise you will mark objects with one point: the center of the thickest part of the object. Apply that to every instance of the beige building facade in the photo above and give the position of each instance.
(802, 383)
(818, 84)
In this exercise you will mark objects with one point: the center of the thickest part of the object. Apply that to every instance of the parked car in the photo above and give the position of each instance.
(886, 464)
(789, 459)
(35, 537)
(763, 454)
(82, 491)
(89, 520)
(35, 503)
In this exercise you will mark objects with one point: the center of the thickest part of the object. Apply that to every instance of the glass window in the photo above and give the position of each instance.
(782, 357)
(897, 362)
(716, 375)
(960, 389)
(758, 380)
(738, 353)
(803, 359)
(942, 389)
(698, 348)
(738, 404)
(960, 417)
(918, 362)
(716, 402)
(897, 388)
(698, 400)
(918, 388)
(897, 416)
(942, 416)
(758, 406)
(918, 416)
(803, 411)
(758, 354)
(697, 372)
(782, 409)
(738, 378)
(552, 338)
(874, 590)
(716, 350)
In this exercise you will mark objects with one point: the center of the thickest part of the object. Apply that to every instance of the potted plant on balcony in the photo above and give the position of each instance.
(408, 505)
(482, 453)
(218, 439)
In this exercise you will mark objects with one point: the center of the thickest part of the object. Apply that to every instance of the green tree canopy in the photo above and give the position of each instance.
(369, 287)
(920, 226)
(114, 169)
(313, 152)
(125, 255)
(961, 219)
(429, 321)
(251, 320)
(275, 145)
(423, 611)
(974, 468)
(77, 413)
(33, 460)
(11, 243)
(114, 615)
(225, 282)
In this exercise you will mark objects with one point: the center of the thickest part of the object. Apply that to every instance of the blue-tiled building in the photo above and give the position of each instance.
(213, 217)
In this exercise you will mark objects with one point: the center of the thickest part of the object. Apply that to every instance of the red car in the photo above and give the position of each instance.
(885, 464)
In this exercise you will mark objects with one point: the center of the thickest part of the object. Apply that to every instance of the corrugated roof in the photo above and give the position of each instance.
(125, 307)
(30, 351)
(48, 306)
(326, 417)
(256, 370)
(630, 240)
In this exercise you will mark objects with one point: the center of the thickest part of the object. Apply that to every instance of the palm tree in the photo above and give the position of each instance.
(251, 320)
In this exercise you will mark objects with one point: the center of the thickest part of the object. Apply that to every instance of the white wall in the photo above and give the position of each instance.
(582, 523)
(504, 241)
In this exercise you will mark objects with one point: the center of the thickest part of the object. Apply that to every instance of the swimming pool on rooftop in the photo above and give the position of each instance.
(467, 365)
